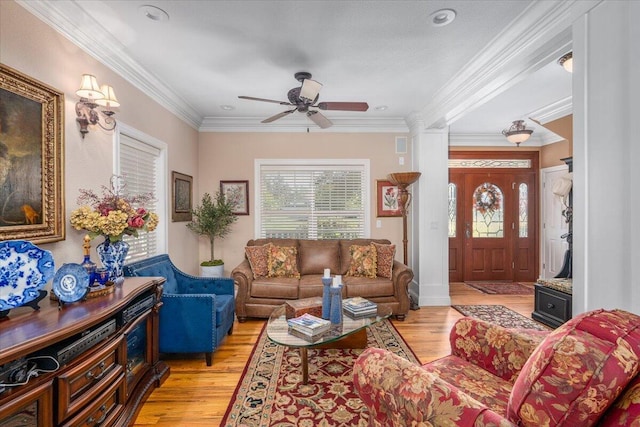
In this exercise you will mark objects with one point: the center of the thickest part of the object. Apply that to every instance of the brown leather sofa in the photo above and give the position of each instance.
(258, 297)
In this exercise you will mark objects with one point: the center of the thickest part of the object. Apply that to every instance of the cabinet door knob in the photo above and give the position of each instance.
(550, 305)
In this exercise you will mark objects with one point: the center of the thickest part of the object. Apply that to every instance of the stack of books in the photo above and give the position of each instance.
(308, 326)
(359, 307)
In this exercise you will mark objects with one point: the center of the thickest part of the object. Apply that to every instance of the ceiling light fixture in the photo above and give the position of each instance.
(381, 108)
(92, 96)
(154, 13)
(566, 61)
(517, 133)
(442, 17)
(227, 107)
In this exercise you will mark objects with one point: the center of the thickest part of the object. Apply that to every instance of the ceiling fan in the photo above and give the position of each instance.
(304, 98)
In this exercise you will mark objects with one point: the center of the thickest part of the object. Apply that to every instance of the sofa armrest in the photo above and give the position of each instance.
(243, 277)
(498, 350)
(187, 323)
(400, 393)
(402, 275)
(188, 284)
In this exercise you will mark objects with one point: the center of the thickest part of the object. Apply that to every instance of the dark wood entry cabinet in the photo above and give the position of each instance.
(107, 348)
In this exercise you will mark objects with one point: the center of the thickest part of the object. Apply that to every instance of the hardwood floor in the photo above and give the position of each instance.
(195, 394)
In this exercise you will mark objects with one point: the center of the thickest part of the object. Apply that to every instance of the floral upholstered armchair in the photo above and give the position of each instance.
(582, 374)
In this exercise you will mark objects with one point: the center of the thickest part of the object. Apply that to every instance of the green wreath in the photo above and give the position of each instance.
(487, 198)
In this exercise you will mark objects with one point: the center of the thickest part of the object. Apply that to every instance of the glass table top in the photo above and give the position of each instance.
(278, 329)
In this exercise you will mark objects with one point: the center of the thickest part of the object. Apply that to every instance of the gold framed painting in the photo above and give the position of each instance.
(181, 197)
(31, 159)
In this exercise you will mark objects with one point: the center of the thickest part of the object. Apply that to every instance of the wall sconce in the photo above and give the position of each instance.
(404, 180)
(517, 133)
(93, 96)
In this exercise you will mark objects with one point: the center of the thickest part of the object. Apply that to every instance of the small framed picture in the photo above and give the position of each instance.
(387, 194)
(236, 192)
(181, 197)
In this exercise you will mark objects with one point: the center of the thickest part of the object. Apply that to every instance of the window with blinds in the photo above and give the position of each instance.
(139, 167)
(313, 201)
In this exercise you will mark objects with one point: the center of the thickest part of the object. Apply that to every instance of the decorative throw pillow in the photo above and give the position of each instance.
(385, 255)
(258, 257)
(363, 261)
(283, 261)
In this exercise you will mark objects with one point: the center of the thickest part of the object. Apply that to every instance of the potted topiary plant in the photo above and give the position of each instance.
(212, 219)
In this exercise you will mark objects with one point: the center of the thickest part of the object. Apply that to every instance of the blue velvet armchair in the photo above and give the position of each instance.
(197, 312)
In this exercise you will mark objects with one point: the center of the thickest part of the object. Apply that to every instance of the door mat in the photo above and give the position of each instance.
(501, 288)
(270, 391)
(500, 315)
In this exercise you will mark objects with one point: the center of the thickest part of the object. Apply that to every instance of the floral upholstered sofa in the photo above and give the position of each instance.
(275, 271)
(582, 374)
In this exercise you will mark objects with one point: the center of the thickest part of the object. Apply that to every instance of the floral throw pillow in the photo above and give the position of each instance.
(283, 261)
(258, 257)
(363, 261)
(385, 255)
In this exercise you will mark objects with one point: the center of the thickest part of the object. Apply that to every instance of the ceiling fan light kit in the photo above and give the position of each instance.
(517, 133)
(305, 97)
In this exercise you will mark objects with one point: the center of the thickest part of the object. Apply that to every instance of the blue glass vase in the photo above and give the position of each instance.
(326, 297)
(112, 256)
(335, 315)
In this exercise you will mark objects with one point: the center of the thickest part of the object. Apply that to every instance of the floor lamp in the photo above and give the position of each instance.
(404, 180)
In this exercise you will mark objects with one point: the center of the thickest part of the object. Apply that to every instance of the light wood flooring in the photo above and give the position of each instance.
(195, 394)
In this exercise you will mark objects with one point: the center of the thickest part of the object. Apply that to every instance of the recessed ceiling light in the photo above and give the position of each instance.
(381, 108)
(227, 107)
(154, 13)
(442, 17)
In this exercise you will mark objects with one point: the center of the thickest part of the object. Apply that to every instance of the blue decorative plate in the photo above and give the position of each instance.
(24, 270)
(71, 283)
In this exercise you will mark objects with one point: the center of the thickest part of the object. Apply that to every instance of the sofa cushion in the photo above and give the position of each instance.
(385, 255)
(310, 286)
(577, 371)
(275, 288)
(316, 255)
(258, 257)
(625, 412)
(345, 255)
(283, 261)
(367, 288)
(363, 261)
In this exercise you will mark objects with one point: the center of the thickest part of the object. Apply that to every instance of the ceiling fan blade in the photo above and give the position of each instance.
(319, 119)
(277, 116)
(251, 98)
(344, 106)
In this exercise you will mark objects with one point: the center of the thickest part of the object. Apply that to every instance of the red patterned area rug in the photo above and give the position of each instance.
(270, 392)
(500, 315)
(501, 288)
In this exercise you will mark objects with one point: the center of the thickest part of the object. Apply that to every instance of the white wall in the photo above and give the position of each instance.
(606, 178)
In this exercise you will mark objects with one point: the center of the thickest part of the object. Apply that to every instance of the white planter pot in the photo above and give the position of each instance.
(212, 271)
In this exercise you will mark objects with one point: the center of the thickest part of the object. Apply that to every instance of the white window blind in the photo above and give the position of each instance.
(323, 201)
(139, 168)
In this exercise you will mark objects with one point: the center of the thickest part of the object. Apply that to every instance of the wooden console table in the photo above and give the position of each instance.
(107, 348)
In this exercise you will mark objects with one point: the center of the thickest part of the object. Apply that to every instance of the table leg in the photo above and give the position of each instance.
(305, 365)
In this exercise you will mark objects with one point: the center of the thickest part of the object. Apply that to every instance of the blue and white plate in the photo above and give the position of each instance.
(71, 283)
(24, 270)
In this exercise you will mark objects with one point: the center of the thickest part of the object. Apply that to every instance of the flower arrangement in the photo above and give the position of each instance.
(114, 214)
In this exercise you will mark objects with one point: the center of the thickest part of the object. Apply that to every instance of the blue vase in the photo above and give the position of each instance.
(326, 297)
(335, 315)
(112, 256)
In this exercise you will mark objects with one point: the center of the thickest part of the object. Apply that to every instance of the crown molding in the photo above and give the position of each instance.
(70, 20)
(536, 37)
(553, 111)
(301, 124)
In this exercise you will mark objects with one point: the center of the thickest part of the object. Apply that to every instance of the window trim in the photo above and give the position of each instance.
(365, 163)
(161, 185)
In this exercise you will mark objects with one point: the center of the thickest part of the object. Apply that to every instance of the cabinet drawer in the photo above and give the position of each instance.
(78, 386)
(105, 409)
(553, 304)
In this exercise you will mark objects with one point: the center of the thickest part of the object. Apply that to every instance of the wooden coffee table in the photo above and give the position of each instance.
(351, 333)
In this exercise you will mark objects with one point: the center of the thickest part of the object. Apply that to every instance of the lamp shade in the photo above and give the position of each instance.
(89, 88)
(310, 89)
(403, 179)
(109, 100)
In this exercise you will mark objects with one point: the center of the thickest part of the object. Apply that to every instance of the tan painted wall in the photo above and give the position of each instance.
(230, 156)
(33, 48)
(551, 154)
